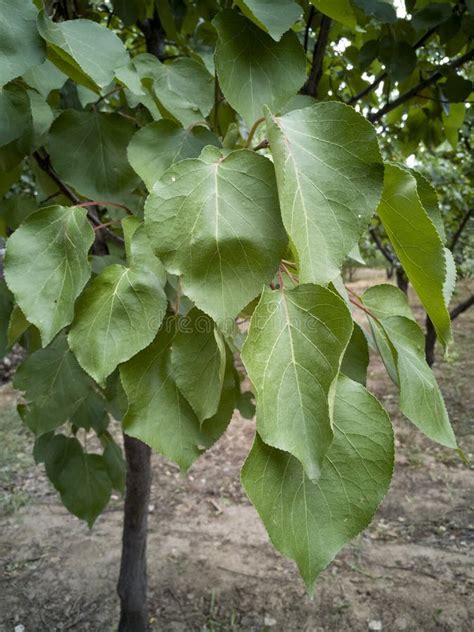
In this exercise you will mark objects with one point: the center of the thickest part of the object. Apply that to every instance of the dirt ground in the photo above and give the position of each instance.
(211, 567)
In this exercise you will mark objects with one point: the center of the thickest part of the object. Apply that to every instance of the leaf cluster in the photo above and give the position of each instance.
(182, 185)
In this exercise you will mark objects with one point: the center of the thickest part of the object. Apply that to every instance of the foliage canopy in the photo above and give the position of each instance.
(159, 191)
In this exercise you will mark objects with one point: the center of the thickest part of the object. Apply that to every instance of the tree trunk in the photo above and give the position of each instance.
(430, 342)
(132, 584)
(402, 280)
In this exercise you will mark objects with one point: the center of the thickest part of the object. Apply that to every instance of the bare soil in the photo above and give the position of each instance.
(211, 567)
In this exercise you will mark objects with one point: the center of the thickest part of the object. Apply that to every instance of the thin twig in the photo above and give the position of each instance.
(253, 129)
(364, 309)
(438, 74)
(383, 75)
(385, 251)
(288, 273)
(45, 165)
(104, 96)
(263, 145)
(460, 229)
(308, 27)
(318, 57)
(462, 307)
(105, 203)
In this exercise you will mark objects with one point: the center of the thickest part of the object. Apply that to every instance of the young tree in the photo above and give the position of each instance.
(170, 168)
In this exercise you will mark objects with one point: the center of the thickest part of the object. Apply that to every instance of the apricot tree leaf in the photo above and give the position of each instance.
(310, 522)
(86, 51)
(330, 174)
(292, 354)
(160, 144)
(158, 413)
(215, 221)
(46, 266)
(417, 244)
(20, 44)
(253, 69)
(119, 313)
(89, 152)
(273, 16)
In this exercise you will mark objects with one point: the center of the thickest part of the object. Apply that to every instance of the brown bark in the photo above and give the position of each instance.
(132, 584)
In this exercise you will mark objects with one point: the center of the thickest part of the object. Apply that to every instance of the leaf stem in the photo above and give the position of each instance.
(253, 129)
(105, 203)
(364, 309)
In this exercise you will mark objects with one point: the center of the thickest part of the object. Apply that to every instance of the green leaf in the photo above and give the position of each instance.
(339, 10)
(273, 16)
(115, 464)
(116, 399)
(7, 179)
(457, 88)
(87, 52)
(403, 353)
(381, 10)
(159, 415)
(98, 143)
(387, 300)
(131, 11)
(453, 121)
(17, 325)
(417, 244)
(117, 315)
(310, 522)
(16, 208)
(92, 413)
(184, 89)
(82, 479)
(15, 114)
(356, 357)
(54, 450)
(46, 266)
(368, 53)
(451, 276)
(85, 486)
(246, 405)
(20, 44)
(157, 146)
(400, 61)
(429, 199)
(329, 173)
(292, 355)
(45, 78)
(54, 386)
(215, 220)
(253, 69)
(198, 363)
(432, 15)
(420, 398)
(42, 117)
(6, 306)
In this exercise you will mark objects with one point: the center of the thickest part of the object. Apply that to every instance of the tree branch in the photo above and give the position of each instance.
(460, 229)
(383, 75)
(462, 307)
(318, 57)
(391, 258)
(420, 86)
(154, 34)
(45, 164)
(47, 167)
(308, 26)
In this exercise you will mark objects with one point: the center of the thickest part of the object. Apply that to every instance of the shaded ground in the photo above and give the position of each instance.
(212, 568)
